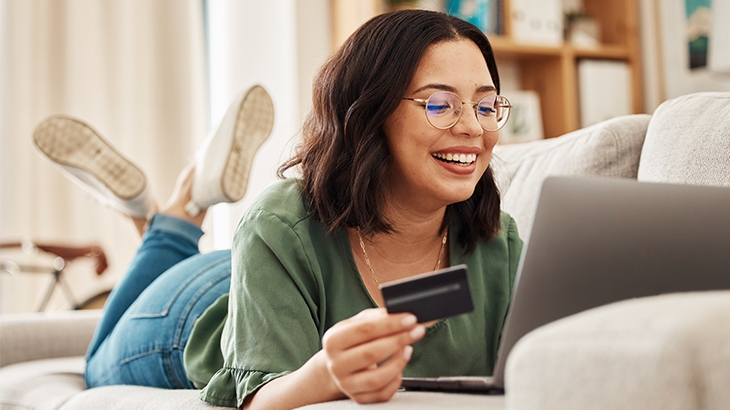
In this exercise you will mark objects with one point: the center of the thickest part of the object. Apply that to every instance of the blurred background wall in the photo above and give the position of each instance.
(153, 77)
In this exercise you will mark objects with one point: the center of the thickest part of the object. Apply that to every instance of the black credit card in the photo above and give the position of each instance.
(430, 296)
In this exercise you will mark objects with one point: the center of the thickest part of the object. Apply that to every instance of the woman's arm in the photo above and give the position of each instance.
(362, 358)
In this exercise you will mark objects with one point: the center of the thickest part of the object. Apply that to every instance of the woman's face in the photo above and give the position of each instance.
(421, 173)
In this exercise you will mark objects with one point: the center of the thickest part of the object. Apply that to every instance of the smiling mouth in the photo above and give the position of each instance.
(459, 159)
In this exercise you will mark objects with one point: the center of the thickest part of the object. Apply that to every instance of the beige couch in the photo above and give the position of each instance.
(653, 353)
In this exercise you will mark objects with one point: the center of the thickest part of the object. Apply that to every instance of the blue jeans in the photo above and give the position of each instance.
(149, 315)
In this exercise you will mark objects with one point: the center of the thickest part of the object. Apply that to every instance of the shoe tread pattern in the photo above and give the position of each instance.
(74, 144)
(254, 122)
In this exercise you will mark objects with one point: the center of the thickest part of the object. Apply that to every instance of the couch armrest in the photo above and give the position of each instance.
(653, 353)
(35, 336)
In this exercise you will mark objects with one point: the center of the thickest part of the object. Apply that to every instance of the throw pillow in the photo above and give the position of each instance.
(688, 141)
(608, 149)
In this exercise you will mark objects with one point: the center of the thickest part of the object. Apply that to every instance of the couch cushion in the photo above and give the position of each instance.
(147, 398)
(688, 141)
(41, 384)
(138, 398)
(609, 149)
(419, 400)
(664, 352)
(58, 384)
(36, 336)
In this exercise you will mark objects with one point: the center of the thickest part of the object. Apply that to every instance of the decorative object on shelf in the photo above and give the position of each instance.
(582, 30)
(537, 21)
(481, 13)
(525, 120)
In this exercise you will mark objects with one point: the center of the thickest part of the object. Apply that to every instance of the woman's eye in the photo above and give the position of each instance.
(438, 108)
(485, 110)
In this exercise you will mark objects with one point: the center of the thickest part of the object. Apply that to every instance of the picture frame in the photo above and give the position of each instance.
(525, 120)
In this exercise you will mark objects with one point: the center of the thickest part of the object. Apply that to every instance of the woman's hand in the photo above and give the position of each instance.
(365, 355)
(363, 358)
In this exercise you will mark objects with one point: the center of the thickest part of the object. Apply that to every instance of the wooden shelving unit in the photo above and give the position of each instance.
(551, 71)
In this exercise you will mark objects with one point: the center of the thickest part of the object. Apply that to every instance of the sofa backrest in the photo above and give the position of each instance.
(607, 149)
(688, 141)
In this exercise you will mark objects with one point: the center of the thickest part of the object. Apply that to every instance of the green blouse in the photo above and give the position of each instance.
(291, 282)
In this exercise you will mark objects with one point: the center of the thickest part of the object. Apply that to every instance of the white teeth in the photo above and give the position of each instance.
(460, 158)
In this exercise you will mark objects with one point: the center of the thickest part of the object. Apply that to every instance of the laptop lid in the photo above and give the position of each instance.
(596, 241)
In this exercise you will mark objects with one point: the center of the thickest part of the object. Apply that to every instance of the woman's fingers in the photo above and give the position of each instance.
(379, 396)
(366, 354)
(379, 384)
(376, 351)
(367, 339)
(367, 325)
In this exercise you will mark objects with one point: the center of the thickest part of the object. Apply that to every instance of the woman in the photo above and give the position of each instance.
(395, 181)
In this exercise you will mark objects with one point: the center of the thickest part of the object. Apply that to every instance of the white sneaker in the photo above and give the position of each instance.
(83, 156)
(223, 162)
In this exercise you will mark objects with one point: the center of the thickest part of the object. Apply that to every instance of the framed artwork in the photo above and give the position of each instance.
(693, 46)
(699, 24)
(525, 121)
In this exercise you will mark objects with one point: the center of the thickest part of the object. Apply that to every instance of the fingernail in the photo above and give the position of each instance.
(408, 320)
(407, 352)
(418, 332)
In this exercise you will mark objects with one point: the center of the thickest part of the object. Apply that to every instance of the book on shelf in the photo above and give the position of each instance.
(604, 90)
(484, 14)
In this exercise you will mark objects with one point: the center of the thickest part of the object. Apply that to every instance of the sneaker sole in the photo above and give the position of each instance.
(72, 143)
(254, 122)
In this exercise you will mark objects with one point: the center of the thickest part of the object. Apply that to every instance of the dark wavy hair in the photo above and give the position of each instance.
(344, 158)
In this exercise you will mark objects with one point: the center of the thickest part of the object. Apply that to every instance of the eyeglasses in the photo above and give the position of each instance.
(443, 110)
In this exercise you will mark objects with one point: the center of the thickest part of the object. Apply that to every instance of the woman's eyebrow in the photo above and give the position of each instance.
(486, 88)
(444, 87)
(441, 87)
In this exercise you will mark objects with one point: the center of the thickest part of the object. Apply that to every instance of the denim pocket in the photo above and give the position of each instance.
(184, 282)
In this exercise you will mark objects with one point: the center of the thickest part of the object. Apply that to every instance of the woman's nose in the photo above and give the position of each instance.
(468, 122)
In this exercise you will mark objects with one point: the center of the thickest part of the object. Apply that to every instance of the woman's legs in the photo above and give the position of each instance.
(150, 314)
(168, 241)
(146, 345)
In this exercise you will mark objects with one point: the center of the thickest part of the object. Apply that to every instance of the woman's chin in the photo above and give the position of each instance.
(461, 196)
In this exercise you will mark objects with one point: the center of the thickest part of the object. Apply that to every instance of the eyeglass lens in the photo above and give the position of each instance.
(443, 110)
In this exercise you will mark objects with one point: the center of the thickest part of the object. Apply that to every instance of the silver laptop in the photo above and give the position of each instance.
(596, 241)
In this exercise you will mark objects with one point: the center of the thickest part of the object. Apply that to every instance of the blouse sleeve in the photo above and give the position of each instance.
(273, 324)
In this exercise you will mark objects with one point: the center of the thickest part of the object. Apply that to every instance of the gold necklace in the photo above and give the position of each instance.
(370, 266)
